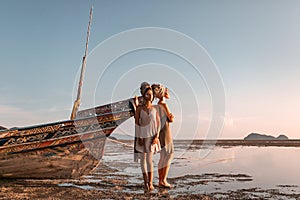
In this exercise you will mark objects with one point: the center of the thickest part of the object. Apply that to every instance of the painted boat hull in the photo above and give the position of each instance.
(66, 149)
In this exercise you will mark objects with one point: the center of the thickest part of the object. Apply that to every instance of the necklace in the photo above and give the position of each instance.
(147, 108)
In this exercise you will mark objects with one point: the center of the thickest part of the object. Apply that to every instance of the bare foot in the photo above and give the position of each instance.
(151, 187)
(146, 187)
(165, 184)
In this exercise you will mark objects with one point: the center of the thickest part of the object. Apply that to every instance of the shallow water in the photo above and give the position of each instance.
(268, 167)
(225, 168)
(237, 172)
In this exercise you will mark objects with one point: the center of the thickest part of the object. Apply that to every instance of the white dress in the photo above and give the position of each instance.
(147, 129)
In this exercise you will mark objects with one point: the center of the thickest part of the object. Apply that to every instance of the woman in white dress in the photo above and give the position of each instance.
(147, 126)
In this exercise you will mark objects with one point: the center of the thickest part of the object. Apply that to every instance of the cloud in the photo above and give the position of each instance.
(13, 116)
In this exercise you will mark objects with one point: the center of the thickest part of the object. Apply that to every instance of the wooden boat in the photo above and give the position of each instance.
(65, 149)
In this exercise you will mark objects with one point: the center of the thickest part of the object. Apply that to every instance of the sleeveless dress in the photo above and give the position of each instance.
(165, 135)
(147, 129)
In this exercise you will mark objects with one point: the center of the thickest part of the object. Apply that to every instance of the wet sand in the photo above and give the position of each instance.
(117, 177)
(108, 184)
(110, 187)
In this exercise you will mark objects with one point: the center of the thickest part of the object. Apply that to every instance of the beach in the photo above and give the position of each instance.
(197, 172)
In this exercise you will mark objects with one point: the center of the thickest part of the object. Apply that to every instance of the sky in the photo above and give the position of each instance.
(246, 58)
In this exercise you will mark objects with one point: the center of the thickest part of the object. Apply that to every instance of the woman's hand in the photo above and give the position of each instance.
(136, 101)
(141, 141)
(155, 140)
(171, 117)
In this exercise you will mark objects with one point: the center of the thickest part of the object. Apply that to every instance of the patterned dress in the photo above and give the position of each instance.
(165, 135)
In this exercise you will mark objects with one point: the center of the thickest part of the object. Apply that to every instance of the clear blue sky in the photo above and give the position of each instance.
(254, 44)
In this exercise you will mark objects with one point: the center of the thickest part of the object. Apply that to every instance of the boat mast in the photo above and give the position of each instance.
(83, 66)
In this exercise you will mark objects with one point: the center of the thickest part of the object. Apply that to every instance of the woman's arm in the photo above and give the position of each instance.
(158, 123)
(137, 115)
(156, 137)
(137, 124)
(169, 114)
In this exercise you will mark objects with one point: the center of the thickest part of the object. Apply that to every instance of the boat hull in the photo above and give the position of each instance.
(66, 149)
(68, 161)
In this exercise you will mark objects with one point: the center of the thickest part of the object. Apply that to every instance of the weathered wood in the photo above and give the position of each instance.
(63, 161)
(77, 101)
(65, 149)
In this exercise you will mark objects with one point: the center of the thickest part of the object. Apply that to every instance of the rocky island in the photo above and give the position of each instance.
(257, 136)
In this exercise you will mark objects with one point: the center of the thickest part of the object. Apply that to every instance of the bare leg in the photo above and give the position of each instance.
(166, 168)
(165, 174)
(150, 170)
(160, 168)
(144, 171)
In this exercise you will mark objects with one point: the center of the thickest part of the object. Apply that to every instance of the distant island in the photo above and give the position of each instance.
(257, 136)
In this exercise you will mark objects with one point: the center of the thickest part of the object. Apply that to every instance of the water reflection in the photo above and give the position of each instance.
(267, 165)
(223, 169)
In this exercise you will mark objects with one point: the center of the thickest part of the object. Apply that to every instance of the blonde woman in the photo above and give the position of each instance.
(165, 135)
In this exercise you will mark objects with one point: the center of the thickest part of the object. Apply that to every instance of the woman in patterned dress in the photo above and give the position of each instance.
(165, 135)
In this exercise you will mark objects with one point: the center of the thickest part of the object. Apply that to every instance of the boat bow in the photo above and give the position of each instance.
(65, 149)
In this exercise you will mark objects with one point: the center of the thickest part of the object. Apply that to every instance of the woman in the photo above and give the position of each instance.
(165, 136)
(147, 133)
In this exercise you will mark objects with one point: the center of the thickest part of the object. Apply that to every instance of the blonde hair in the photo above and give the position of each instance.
(159, 90)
